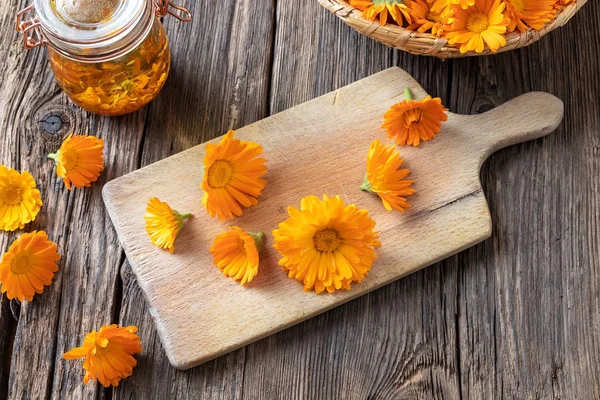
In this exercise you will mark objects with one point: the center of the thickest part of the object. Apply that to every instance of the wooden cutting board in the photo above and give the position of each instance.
(315, 148)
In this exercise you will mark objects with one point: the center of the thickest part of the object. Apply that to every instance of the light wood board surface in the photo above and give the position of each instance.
(314, 148)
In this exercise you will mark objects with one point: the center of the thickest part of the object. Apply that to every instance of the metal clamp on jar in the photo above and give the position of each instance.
(111, 57)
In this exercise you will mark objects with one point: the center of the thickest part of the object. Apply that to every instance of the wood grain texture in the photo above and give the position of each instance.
(314, 148)
(514, 317)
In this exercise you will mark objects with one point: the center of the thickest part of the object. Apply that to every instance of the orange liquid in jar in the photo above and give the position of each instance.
(119, 86)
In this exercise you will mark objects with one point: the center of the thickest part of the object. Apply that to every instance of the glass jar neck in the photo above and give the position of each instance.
(97, 42)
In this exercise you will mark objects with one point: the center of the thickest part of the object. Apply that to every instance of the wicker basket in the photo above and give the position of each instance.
(426, 43)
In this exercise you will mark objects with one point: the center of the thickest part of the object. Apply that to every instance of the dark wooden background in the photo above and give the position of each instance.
(517, 316)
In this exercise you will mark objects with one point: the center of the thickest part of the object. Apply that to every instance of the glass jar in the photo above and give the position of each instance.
(111, 57)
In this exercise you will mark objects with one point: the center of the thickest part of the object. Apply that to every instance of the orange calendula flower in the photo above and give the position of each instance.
(533, 13)
(326, 244)
(385, 178)
(464, 3)
(20, 200)
(79, 161)
(477, 25)
(163, 224)
(108, 354)
(371, 9)
(411, 121)
(28, 266)
(232, 176)
(236, 253)
(430, 16)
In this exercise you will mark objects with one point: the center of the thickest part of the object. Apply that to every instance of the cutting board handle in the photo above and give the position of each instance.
(527, 117)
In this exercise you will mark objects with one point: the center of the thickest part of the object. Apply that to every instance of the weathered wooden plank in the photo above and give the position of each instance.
(220, 80)
(528, 298)
(397, 342)
(36, 116)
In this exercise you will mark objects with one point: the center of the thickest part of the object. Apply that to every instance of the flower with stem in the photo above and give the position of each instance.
(411, 121)
(385, 178)
(236, 253)
(163, 224)
(79, 161)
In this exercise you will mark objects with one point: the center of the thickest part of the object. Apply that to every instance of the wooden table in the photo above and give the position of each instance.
(517, 316)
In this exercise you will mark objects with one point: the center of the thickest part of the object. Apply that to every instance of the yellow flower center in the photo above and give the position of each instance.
(326, 240)
(19, 264)
(219, 174)
(478, 22)
(518, 4)
(432, 16)
(11, 195)
(413, 116)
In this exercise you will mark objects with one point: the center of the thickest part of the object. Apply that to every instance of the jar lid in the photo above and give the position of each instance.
(88, 21)
(86, 11)
(92, 30)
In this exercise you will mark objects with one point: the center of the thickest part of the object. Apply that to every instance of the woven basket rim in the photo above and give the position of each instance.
(427, 44)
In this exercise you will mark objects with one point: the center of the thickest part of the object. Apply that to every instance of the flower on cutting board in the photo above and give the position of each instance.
(108, 354)
(385, 178)
(28, 266)
(373, 9)
(20, 200)
(477, 25)
(326, 244)
(79, 161)
(236, 253)
(532, 13)
(232, 176)
(163, 224)
(411, 121)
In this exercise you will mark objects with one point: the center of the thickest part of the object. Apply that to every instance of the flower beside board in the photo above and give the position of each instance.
(325, 244)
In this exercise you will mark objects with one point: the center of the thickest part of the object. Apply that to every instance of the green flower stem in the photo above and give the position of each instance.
(366, 186)
(408, 94)
(186, 216)
(258, 239)
(53, 156)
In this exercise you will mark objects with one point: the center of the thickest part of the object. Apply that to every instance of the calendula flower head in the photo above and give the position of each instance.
(163, 224)
(372, 9)
(79, 161)
(236, 253)
(232, 176)
(479, 24)
(28, 266)
(385, 178)
(326, 244)
(533, 13)
(20, 200)
(430, 16)
(108, 354)
(411, 121)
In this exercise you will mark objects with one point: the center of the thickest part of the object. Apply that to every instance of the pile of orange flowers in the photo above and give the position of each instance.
(325, 244)
(470, 24)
